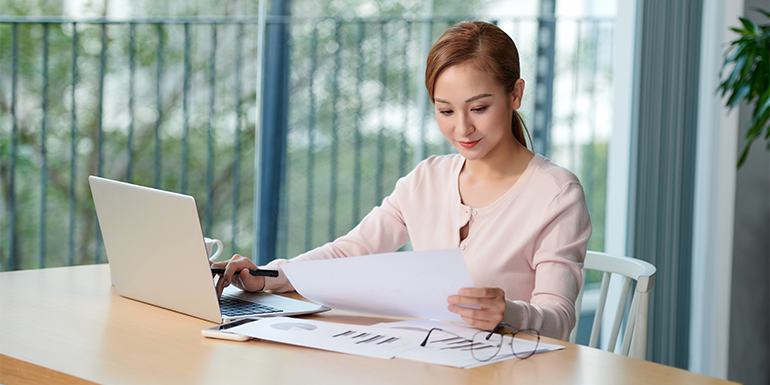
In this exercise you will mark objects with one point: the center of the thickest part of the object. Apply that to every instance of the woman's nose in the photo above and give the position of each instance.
(464, 125)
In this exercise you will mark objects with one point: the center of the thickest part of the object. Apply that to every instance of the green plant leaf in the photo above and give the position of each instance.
(761, 125)
(733, 84)
(754, 132)
(751, 57)
(759, 121)
(748, 62)
(740, 32)
(758, 88)
(737, 52)
(763, 104)
(738, 96)
(740, 61)
(750, 26)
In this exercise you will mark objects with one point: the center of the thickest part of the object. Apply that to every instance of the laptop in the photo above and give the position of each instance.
(157, 255)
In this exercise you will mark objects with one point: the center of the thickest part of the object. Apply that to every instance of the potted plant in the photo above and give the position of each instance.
(748, 60)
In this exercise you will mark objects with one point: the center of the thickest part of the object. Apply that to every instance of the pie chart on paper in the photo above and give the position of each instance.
(293, 326)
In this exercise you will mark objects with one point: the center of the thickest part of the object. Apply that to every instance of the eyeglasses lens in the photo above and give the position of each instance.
(484, 349)
(526, 348)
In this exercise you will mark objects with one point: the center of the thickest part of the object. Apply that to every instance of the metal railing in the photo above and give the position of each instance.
(169, 103)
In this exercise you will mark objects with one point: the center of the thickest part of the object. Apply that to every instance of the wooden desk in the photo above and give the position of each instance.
(67, 326)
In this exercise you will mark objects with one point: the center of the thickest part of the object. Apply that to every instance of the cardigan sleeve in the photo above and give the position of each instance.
(560, 250)
(382, 230)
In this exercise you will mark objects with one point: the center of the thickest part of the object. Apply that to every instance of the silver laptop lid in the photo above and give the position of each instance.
(155, 247)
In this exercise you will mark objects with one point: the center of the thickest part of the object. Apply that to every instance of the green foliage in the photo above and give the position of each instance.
(128, 140)
(749, 78)
(42, 228)
(31, 7)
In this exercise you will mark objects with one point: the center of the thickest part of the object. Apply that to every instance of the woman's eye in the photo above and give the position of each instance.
(446, 112)
(479, 109)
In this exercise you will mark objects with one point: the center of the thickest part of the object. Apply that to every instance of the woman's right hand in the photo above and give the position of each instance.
(237, 273)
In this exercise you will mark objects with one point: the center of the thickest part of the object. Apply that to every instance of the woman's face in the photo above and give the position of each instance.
(474, 113)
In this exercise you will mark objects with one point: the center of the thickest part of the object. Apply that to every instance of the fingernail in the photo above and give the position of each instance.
(226, 283)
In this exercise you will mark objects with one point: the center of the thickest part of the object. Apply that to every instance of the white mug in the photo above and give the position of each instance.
(210, 242)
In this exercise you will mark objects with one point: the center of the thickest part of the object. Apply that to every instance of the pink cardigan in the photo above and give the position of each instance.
(531, 242)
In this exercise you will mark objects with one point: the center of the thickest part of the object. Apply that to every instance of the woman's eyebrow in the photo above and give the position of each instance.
(477, 97)
(471, 99)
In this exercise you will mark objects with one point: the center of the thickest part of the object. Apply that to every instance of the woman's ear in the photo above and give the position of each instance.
(517, 94)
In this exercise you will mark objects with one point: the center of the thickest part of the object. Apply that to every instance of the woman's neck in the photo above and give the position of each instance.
(483, 181)
(509, 160)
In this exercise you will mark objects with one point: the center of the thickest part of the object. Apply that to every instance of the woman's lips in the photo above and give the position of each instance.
(470, 144)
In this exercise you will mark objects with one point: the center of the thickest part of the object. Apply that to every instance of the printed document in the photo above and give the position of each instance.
(412, 284)
(444, 349)
(384, 340)
(336, 337)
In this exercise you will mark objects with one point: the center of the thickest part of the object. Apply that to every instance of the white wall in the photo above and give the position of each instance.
(714, 200)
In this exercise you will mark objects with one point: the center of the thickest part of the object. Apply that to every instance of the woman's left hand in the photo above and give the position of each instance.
(490, 303)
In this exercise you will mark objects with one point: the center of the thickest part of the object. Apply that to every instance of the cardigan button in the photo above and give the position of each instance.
(463, 246)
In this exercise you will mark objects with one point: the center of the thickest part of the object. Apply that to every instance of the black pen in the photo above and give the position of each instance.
(254, 272)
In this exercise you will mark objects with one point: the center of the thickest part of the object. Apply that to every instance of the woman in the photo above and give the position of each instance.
(521, 222)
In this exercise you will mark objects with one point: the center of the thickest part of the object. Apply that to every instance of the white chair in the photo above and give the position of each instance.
(636, 326)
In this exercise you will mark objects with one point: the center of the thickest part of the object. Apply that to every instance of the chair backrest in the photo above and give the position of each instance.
(636, 327)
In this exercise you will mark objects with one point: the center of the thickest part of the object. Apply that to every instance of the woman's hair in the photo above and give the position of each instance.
(486, 48)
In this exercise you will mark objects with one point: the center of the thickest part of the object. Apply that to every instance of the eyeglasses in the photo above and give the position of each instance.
(487, 345)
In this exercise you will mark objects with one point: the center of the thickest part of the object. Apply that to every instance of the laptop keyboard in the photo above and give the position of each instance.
(233, 307)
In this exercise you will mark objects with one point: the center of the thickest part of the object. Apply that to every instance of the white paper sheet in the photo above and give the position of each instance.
(385, 340)
(344, 338)
(436, 352)
(411, 284)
